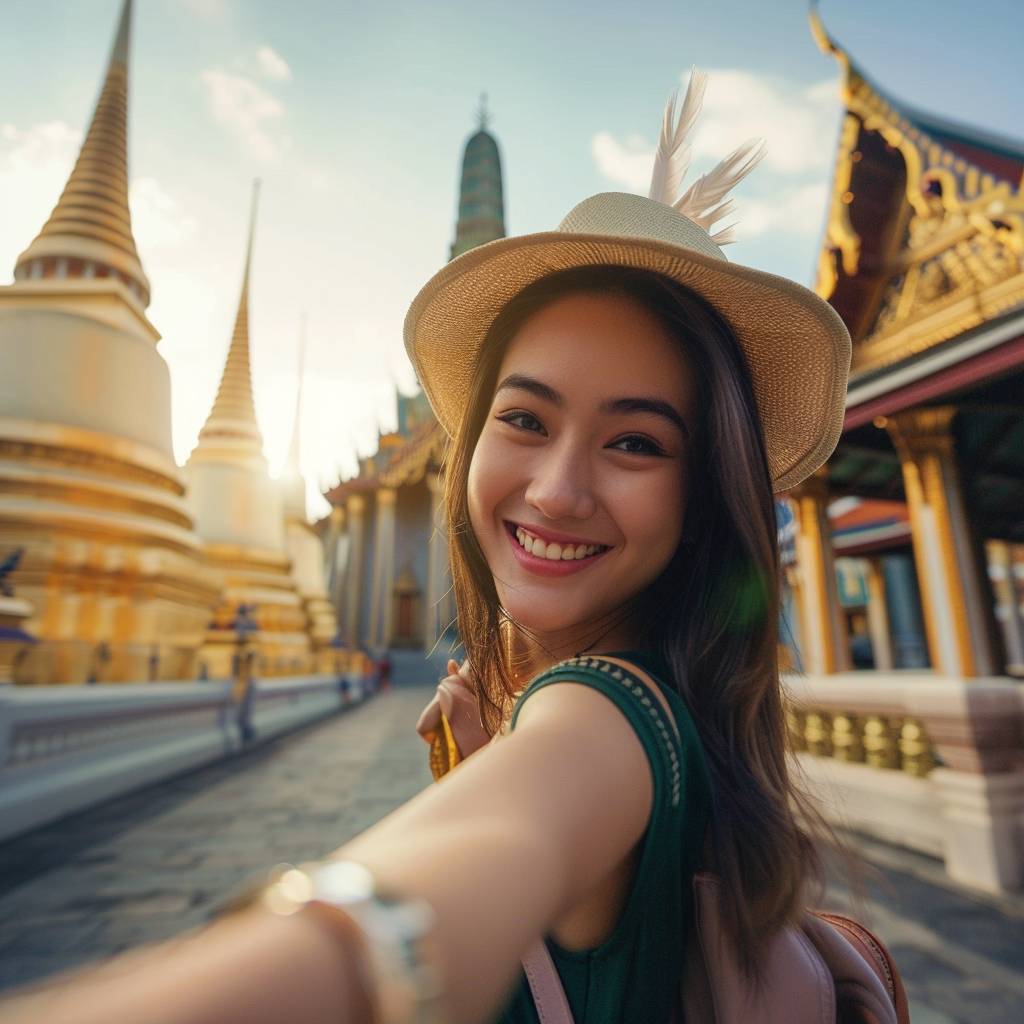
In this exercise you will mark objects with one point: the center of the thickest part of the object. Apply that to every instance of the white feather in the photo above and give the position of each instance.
(673, 155)
(702, 202)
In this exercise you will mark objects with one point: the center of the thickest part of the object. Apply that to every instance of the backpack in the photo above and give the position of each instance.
(825, 969)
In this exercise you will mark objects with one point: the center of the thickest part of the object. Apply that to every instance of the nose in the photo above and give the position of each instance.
(561, 486)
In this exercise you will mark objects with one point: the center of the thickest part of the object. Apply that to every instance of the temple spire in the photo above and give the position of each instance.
(295, 447)
(233, 416)
(89, 232)
(481, 196)
(293, 482)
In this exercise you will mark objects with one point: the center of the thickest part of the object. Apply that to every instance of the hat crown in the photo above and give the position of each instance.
(626, 215)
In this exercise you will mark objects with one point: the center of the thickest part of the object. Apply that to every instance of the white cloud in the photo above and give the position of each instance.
(158, 220)
(34, 165)
(273, 65)
(796, 210)
(247, 109)
(625, 163)
(207, 8)
(799, 123)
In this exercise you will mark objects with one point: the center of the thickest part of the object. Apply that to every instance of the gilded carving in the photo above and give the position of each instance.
(962, 260)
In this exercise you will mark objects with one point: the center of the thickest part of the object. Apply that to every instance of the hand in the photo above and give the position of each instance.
(456, 699)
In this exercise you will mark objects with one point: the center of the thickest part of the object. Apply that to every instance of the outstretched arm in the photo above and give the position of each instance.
(500, 848)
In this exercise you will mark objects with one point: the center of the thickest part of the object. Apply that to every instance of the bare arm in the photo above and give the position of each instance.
(500, 848)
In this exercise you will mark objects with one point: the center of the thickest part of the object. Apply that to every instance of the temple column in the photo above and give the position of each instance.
(823, 636)
(437, 565)
(355, 509)
(334, 564)
(382, 596)
(955, 602)
(905, 622)
(1001, 572)
(878, 616)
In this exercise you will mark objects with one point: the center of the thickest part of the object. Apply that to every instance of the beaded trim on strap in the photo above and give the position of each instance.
(642, 691)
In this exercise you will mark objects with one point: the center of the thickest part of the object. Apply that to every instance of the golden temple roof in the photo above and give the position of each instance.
(233, 416)
(91, 227)
(924, 236)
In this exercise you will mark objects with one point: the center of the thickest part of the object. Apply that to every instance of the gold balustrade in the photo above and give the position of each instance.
(892, 742)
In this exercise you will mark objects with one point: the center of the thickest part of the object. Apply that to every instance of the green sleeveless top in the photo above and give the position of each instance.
(635, 974)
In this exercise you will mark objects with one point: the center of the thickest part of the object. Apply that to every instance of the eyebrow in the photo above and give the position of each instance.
(652, 406)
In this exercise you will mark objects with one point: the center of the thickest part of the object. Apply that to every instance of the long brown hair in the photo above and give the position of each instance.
(712, 614)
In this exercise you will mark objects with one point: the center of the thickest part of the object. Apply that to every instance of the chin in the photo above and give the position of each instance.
(542, 610)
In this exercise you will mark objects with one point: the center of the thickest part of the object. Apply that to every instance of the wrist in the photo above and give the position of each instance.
(388, 941)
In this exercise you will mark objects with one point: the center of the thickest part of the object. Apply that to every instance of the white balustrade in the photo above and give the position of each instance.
(66, 748)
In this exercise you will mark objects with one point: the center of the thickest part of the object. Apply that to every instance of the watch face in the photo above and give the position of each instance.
(342, 881)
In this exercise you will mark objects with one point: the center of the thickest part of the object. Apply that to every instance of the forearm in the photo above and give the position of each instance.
(493, 893)
(253, 968)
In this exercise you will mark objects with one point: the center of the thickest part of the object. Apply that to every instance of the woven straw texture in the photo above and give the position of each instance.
(797, 347)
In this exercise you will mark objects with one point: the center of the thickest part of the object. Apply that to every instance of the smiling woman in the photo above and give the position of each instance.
(622, 402)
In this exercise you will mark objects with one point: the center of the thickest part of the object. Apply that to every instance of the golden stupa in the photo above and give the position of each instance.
(239, 517)
(88, 484)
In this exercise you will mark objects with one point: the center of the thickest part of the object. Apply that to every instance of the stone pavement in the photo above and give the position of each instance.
(147, 866)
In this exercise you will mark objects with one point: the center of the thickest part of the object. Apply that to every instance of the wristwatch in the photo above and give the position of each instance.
(399, 964)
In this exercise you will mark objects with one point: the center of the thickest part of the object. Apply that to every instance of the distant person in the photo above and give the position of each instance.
(384, 671)
(623, 404)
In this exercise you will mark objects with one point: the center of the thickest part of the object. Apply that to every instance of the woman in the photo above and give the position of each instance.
(623, 404)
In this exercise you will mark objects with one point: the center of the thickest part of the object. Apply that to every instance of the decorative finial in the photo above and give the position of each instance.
(483, 114)
(119, 53)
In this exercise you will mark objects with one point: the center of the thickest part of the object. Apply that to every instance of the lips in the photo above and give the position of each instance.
(550, 554)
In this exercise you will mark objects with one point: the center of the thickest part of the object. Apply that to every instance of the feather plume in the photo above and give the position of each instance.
(705, 202)
(701, 200)
(672, 159)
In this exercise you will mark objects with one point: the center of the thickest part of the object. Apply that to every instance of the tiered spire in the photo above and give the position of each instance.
(294, 484)
(233, 416)
(89, 232)
(481, 198)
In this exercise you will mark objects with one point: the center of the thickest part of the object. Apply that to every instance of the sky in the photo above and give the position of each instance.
(354, 115)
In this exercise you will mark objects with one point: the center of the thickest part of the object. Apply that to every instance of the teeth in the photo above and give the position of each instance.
(554, 551)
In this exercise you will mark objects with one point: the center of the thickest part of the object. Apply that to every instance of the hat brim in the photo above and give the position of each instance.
(797, 346)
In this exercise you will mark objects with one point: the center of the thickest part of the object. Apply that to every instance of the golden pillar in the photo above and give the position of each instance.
(956, 605)
(355, 507)
(878, 615)
(823, 637)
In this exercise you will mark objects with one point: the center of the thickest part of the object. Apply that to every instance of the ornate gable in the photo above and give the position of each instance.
(925, 231)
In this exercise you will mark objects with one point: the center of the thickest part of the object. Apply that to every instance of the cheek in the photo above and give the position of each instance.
(653, 519)
(485, 487)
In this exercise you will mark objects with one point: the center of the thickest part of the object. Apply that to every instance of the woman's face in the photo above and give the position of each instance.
(578, 484)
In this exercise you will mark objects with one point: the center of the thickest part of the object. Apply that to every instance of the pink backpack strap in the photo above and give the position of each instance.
(546, 987)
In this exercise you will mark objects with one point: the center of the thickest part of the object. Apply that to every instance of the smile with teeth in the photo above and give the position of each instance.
(552, 550)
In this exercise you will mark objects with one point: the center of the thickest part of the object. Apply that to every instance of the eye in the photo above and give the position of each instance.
(523, 421)
(637, 444)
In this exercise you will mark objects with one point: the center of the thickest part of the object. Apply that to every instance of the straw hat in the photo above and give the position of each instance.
(796, 345)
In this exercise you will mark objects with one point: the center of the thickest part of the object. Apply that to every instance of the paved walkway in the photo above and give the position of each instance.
(145, 867)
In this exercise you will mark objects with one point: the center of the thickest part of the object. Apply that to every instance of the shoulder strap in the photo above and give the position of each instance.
(545, 986)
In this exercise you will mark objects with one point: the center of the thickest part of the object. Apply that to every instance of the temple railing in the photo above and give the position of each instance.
(66, 748)
(928, 762)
